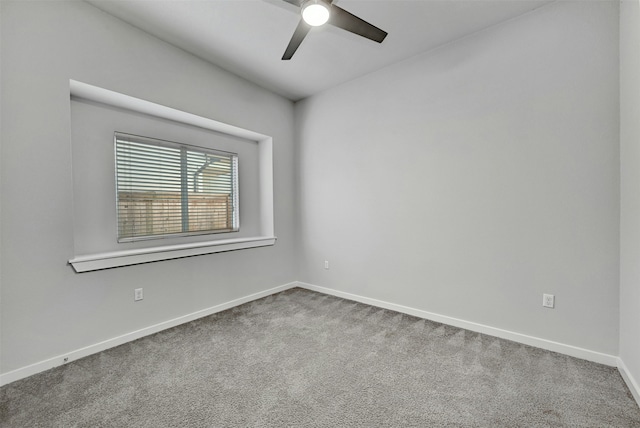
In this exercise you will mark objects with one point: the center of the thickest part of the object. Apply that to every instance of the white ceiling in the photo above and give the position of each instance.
(248, 37)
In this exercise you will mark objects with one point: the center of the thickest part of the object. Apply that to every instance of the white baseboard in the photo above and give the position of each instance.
(632, 383)
(561, 348)
(573, 351)
(47, 364)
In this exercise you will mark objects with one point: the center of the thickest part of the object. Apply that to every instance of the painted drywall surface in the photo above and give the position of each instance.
(1, 50)
(630, 186)
(472, 179)
(48, 310)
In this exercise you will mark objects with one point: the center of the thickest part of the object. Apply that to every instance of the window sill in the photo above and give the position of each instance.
(99, 261)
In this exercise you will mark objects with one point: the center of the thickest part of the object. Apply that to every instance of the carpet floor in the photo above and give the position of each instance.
(304, 359)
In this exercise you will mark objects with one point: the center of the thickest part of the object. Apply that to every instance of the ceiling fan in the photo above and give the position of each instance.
(318, 12)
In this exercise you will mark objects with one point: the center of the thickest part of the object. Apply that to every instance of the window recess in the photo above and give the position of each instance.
(95, 112)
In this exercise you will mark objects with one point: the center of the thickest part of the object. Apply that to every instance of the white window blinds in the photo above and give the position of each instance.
(171, 189)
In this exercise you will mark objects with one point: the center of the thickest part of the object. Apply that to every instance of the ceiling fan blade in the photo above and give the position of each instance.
(298, 36)
(345, 20)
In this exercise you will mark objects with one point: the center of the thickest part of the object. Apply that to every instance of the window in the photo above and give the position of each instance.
(167, 189)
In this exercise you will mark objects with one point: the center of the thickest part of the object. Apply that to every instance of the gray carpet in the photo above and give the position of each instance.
(303, 359)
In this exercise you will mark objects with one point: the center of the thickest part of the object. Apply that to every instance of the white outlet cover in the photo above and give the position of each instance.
(137, 294)
(548, 300)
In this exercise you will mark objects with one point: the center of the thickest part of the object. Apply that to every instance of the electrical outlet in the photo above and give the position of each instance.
(326, 264)
(548, 300)
(137, 294)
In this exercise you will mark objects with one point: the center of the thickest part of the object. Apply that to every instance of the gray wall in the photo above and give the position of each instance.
(472, 179)
(630, 186)
(47, 310)
(1, 97)
(500, 152)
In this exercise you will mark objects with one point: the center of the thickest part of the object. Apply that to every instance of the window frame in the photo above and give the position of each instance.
(156, 142)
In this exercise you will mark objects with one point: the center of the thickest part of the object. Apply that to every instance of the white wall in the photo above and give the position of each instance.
(630, 189)
(472, 179)
(47, 309)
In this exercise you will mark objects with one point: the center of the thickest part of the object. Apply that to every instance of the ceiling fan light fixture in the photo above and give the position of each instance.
(315, 12)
